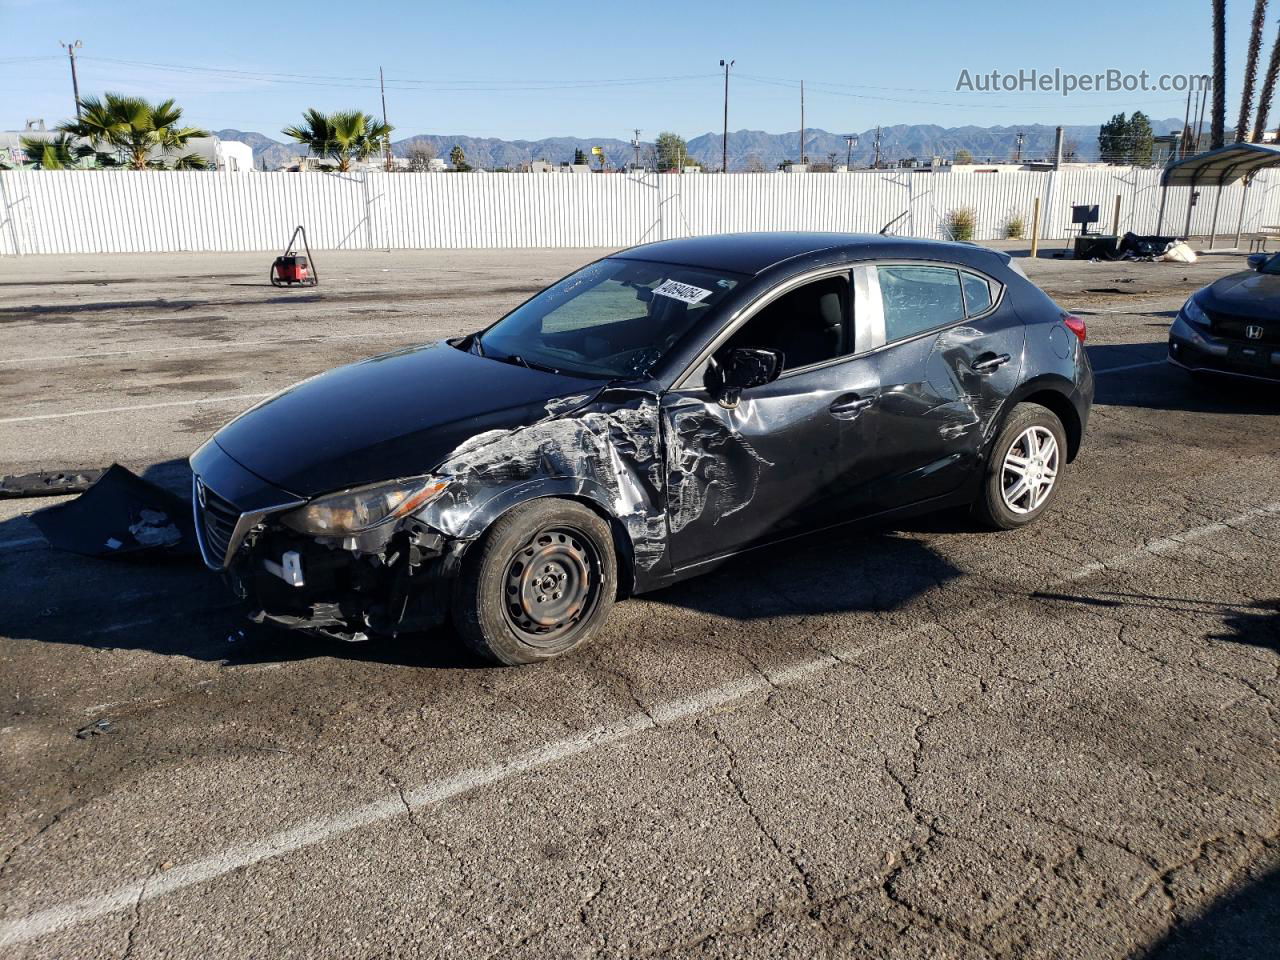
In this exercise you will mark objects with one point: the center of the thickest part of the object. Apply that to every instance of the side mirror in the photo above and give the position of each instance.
(743, 368)
(1258, 260)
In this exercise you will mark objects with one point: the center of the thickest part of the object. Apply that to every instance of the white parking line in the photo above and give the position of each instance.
(180, 348)
(1130, 366)
(140, 406)
(437, 791)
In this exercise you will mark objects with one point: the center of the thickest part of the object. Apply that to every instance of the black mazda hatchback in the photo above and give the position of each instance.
(1232, 326)
(638, 422)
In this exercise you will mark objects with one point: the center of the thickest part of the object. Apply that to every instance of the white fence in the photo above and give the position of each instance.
(138, 212)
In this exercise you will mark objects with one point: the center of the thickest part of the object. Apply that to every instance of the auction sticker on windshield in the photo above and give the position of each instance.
(684, 292)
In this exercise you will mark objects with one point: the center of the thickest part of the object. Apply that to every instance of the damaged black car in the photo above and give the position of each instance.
(638, 422)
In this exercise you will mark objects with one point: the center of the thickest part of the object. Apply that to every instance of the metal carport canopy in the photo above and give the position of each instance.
(1222, 166)
(1218, 167)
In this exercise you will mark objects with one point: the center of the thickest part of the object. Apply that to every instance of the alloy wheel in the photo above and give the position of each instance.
(1030, 470)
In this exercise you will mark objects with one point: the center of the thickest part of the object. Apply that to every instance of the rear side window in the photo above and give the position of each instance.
(977, 293)
(917, 299)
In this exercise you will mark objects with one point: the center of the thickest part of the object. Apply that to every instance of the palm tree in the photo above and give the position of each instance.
(141, 132)
(1251, 69)
(345, 136)
(1218, 128)
(62, 153)
(1268, 91)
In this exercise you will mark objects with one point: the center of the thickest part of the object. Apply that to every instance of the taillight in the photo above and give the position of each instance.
(1075, 325)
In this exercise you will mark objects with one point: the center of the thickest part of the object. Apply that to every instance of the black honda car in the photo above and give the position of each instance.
(638, 422)
(1232, 326)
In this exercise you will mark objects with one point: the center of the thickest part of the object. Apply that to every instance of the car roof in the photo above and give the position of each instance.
(753, 253)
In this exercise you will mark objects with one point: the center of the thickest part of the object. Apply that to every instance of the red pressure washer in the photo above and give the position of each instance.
(291, 267)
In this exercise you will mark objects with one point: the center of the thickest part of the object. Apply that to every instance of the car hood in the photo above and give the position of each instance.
(1246, 294)
(395, 415)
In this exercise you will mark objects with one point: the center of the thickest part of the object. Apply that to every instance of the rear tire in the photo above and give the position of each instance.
(1024, 468)
(538, 584)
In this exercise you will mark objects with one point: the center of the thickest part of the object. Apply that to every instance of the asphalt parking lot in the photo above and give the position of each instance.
(924, 741)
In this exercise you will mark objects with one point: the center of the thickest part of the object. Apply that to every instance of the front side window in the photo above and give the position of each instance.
(612, 319)
(808, 325)
(917, 299)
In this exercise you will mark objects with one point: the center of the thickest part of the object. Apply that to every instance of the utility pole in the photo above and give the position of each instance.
(75, 83)
(1017, 156)
(1186, 128)
(724, 142)
(386, 142)
(876, 163)
(851, 141)
(1204, 102)
(802, 121)
(635, 144)
(1057, 148)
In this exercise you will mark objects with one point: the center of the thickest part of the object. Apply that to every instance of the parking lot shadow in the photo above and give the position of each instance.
(1256, 624)
(1163, 386)
(1243, 925)
(174, 606)
(842, 571)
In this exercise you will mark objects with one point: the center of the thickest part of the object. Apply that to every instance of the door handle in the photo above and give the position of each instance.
(989, 363)
(850, 405)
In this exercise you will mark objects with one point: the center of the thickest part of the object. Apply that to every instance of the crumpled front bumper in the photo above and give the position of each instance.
(393, 581)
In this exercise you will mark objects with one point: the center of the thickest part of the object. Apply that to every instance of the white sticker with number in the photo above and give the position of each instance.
(684, 292)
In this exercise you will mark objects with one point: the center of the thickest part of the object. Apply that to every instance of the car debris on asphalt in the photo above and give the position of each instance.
(120, 514)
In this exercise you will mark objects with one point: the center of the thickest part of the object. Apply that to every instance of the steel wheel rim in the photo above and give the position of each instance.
(551, 584)
(1030, 470)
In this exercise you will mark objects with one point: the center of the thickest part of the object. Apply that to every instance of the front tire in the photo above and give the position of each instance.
(1024, 468)
(538, 584)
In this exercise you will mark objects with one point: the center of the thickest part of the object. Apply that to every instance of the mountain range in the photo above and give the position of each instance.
(748, 149)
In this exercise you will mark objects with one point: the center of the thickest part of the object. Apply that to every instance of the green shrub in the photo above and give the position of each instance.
(961, 223)
(1015, 228)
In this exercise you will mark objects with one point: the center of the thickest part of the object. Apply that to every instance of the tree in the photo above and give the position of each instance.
(345, 136)
(1251, 69)
(64, 152)
(753, 163)
(1218, 127)
(1141, 138)
(1268, 90)
(673, 152)
(579, 158)
(1113, 139)
(962, 156)
(142, 133)
(420, 156)
(1131, 140)
(459, 159)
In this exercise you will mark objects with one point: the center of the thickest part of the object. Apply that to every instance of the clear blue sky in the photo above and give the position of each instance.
(531, 70)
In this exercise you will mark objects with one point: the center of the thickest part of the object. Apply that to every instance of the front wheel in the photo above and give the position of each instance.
(540, 582)
(1023, 468)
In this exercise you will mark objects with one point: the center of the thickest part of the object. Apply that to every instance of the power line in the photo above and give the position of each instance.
(442, 84)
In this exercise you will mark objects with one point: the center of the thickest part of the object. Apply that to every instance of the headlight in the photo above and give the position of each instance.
(354, 511)
(1193, 312)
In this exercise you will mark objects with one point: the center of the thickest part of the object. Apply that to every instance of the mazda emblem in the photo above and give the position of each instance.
(200, 493)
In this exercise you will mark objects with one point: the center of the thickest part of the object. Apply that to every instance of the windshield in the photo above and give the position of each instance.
(613, 319)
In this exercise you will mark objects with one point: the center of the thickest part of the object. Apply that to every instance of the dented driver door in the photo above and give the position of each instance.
(781, 462)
